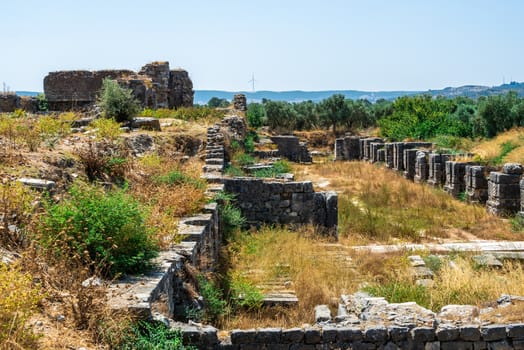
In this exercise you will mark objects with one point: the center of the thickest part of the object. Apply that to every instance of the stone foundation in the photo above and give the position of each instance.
(374, 147)
(284, 202)
(291, 148)
(398, 152)
(408, 162)
(476, 179)
(347, 148)
(365, 146)
(437, 169)
(155, 86)
(504, 190)
(455, 182)
(421, 167)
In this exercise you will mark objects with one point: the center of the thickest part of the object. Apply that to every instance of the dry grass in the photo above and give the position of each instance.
(491, 149)
(167, 202)
(465, 283)
(318, 275)
(377, 204)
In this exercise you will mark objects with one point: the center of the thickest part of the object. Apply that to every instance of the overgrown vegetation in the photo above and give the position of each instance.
(117, 102)
(186, 113)
(19, 297)
(150, 336)
(105, 228)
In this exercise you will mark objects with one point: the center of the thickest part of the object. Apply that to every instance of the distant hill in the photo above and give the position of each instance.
(472, 91)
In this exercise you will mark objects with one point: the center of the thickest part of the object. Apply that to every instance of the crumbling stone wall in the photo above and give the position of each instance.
(347, 148)
(284, 202)
(504, 190)
(365, 149)
(437, 169)
(409, 159)
(240, 102)
(398, 152)
(291, 148)
(155, 86)
(476, 183)
(421, 167)
(374, 147)
(388, 154)
(455, 181)
(9, 102)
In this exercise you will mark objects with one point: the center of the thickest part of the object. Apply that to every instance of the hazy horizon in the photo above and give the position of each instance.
(289, 45)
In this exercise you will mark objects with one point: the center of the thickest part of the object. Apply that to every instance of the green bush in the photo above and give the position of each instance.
(148, 336)
(400, 292)
(117, 102)
(215, 305)
(176, 177)
(245, 294)
(107, 229)
(279, 167)
(256, 115)
(243, 159)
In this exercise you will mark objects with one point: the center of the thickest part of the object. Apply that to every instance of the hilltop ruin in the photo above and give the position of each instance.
(155, 86)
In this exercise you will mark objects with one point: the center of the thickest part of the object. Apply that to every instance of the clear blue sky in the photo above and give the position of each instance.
(288, 44)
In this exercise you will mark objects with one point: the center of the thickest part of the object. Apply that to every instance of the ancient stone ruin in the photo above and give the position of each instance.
(11, 102)
(292, 149)
(155, 86)
(504, 190)
(240, 102)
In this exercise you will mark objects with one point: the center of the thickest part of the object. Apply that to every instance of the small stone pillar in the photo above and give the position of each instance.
(367, 146)
(388, 154)
(339, 149)
(437, 169)
(421, 167)
(240, 102)
(455, 172)
(373, 151)
(381, 155)
(504, 190)
(410, 156)
(476, 184)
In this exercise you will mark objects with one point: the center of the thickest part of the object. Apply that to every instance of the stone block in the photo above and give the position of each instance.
(423, 334)
(470, 333)
(512, 168)
(447, 333)
(456, 345)
(243, 336)
(322, 313)
(312, 335)
(398, 333)
(515, 330)
(329, 334)
(500, 345)
(378, 334)
(268, 335)
(292, 335)
(493, 332)
(349, 334)
(501, 178)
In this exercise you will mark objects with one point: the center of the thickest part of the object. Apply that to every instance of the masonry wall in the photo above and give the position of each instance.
(284, 202)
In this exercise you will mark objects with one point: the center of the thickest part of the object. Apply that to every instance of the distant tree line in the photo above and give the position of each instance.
(409, 117)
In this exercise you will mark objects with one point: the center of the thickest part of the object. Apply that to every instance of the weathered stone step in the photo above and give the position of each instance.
(479, 246)
(213, 168)
(215, 161)
(277, 299)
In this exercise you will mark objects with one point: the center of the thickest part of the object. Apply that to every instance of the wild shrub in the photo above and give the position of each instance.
(42, 103)
(400, 291)
(19, 298)
(231, 216)
(150, 336)
(15, 205)
(279, 167)
(177, 177)
(244, 294)
(116, 102)
(110, 227)
(106, 129)
(243, 159)
(214, 302)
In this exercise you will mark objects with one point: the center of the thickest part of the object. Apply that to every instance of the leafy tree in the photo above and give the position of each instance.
(215, 102)
(117, 102)
(306, 114)
(256, 115)
(280, 116)
(333, 111)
